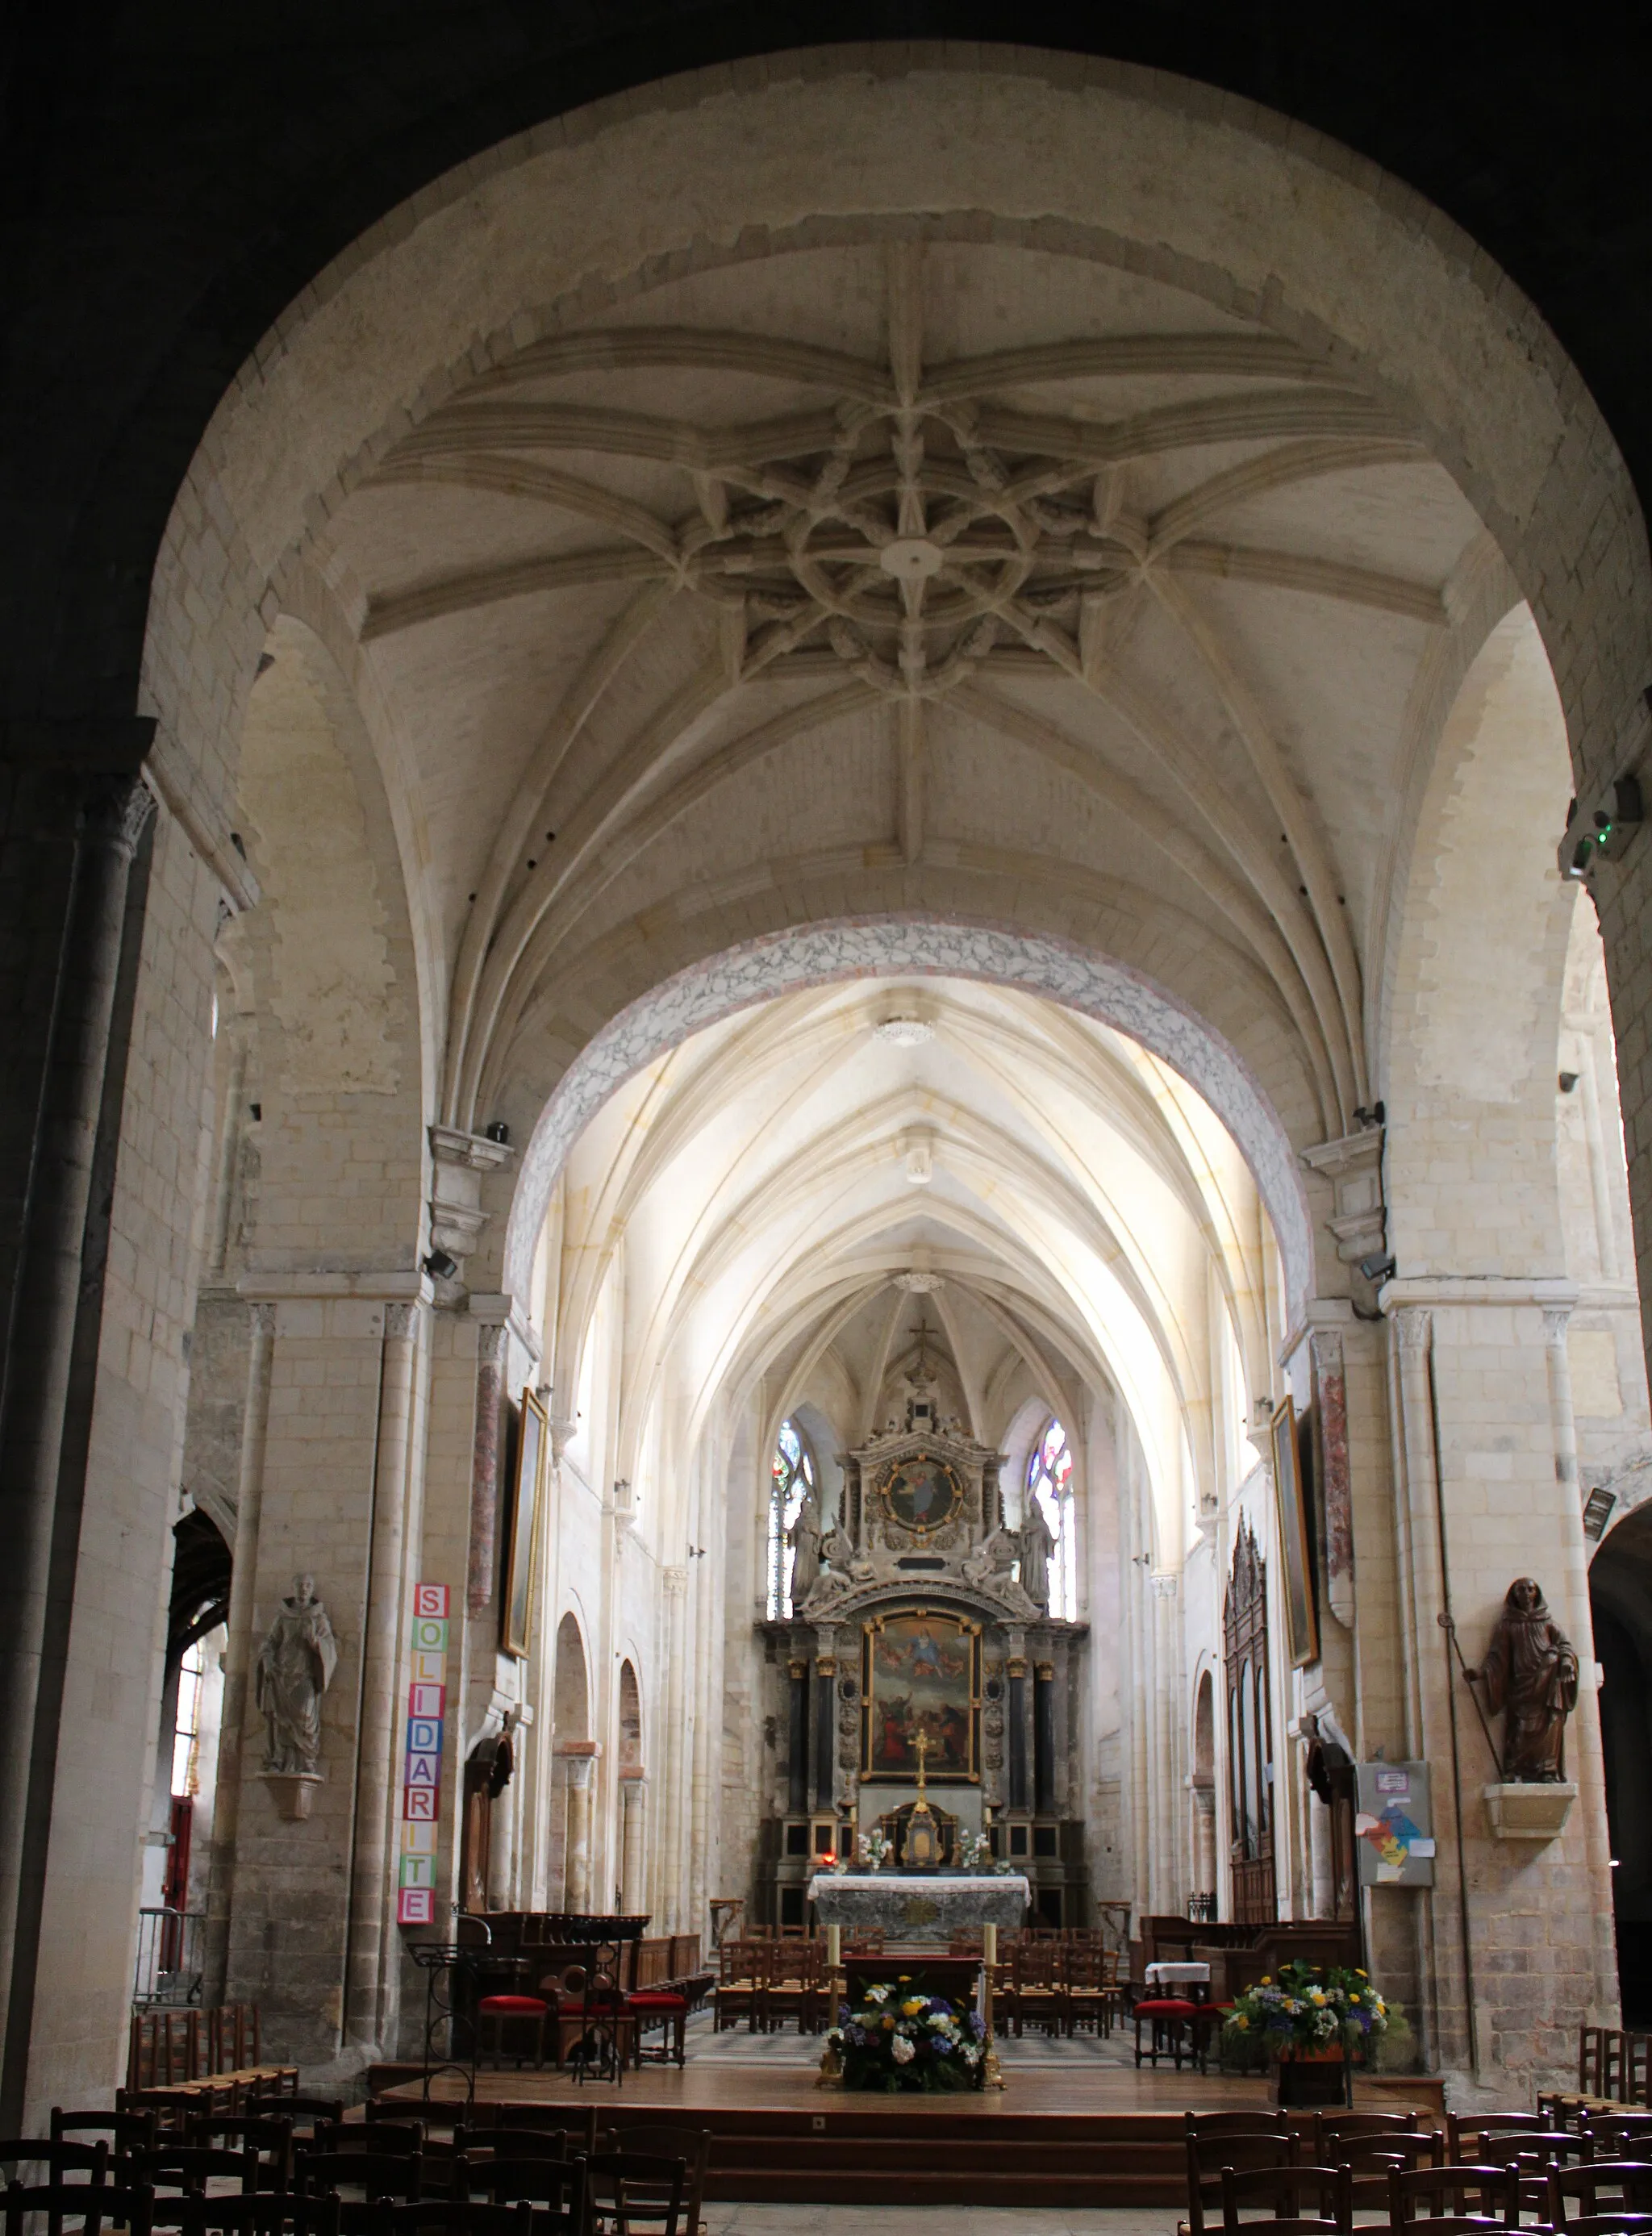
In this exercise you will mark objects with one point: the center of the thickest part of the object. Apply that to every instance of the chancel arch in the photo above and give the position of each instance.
(870, 761)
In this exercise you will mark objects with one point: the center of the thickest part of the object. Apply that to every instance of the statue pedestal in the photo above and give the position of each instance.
(294, 1791)
(1528, 1813)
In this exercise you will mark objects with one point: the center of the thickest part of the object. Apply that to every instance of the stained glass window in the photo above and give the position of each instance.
(1049, 1480)
(791, 1480)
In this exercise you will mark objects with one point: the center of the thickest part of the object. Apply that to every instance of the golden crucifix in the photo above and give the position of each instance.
(921, 1745)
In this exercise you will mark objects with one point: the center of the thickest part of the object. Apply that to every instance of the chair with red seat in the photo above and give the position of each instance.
(495, 2013)
(1174, 2020)
(660, 2006)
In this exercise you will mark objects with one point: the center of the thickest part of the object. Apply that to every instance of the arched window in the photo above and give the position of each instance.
(1049, 1480)
(790, 1480)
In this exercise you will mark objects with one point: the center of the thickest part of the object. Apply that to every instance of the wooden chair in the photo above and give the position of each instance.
(381, 2178)
(1297, 2200)
(1090, 1991)
(1463, 2133)
(1331, 2128)
(188, 2167)
(269, 2139)
(123, 2131)
(1245, 2150)
(691, 2145)
(248, 2216)
(1618, 2134)
(402, 2138)
(457, 2217)
(554, 2185)
(525, 2017)
(1435, 2199)
(577, 2129)
(1173, 2023)
(740, 1984)
(629, 2191)
(1608, 2186)
(1035, 1990)
(94, 2204)
(59, 2161)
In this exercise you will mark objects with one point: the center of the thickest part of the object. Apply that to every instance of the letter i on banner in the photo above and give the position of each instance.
(421, 1759)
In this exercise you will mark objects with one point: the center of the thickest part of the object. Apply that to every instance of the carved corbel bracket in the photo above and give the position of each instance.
(292, 1792)
(459, 1162)
(1529, 1812)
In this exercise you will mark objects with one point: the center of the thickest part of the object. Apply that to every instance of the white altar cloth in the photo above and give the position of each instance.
(918, 1902)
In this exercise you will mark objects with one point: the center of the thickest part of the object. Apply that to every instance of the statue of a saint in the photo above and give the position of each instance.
(1530, 1672)
(1038, 1543)
(294, 1668)
(805, 1551)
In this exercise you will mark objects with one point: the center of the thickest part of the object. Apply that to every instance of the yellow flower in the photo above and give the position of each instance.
(889, 2020)
(1360, 1973)
(1267, 1980)
(1317, 1996)
(1240, 2020)
(913, 2008)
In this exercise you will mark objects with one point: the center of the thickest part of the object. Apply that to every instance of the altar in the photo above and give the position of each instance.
(909, 1906)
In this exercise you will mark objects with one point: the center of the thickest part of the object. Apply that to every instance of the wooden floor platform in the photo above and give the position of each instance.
(1109, 2135)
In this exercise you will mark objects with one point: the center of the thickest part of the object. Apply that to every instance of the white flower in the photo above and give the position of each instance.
(901, 2050)
(877, 1995)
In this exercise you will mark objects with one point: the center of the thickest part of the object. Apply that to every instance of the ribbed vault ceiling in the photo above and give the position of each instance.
(906, 571)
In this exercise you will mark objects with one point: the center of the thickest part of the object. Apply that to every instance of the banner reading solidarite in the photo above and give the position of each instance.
(422, 1760)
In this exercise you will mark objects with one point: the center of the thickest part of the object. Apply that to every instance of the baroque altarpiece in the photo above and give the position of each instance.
(916, 1608)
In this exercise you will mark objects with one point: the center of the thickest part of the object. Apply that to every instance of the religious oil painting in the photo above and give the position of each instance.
(922, 1493)
(1290, 1493)
(921, 1674)
(524, 1525)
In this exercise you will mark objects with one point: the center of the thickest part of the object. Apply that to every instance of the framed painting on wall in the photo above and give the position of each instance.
(531, 1438)
(1290, 1493)
(921, 1672)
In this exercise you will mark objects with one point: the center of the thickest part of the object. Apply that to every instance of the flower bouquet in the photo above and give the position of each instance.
(1308, 2015)
(874, 1850)
(975, 1854)
(900, 2038)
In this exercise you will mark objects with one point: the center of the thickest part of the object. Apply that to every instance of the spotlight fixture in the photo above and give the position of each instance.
(1376, 1114)
(1376, 1267)
(498, 1132)
(1568, 1080)
(440, 1266)
(905, 1032)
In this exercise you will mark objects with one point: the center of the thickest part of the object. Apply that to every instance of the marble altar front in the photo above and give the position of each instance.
(913, 1905)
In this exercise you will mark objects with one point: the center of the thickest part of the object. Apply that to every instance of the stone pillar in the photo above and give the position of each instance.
(237, 1651)
(502, 1835)
(229, 1142)
(633, 1825)
(108, 818)
(372, 1898)
(1044, 1738)
(1204, 1839)
(1017, 1709)
(673, 1582)
(490, 1341)
(825, 1781)
(1426, 1735)
(579, 1762)
(797, 1782)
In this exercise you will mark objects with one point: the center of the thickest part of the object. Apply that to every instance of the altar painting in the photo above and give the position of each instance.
(921, 1672)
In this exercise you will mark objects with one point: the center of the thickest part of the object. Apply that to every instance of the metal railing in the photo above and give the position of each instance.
(170, 1958)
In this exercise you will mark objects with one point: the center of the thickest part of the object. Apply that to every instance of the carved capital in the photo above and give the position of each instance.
(1556, 1320)
(401, 1321)
(1414, 1326)
(115, 811)
(261, 1320)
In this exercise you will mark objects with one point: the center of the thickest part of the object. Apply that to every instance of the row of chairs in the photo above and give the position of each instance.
(772, 1984)
(1615, 2062)
(343, 2179)
(1061, 1986)
(167, 2045)
(1483, 2172)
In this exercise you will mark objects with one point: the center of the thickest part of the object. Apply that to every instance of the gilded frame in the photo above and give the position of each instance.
(963, 1693)
(533, 1437)
(1290, 1501)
